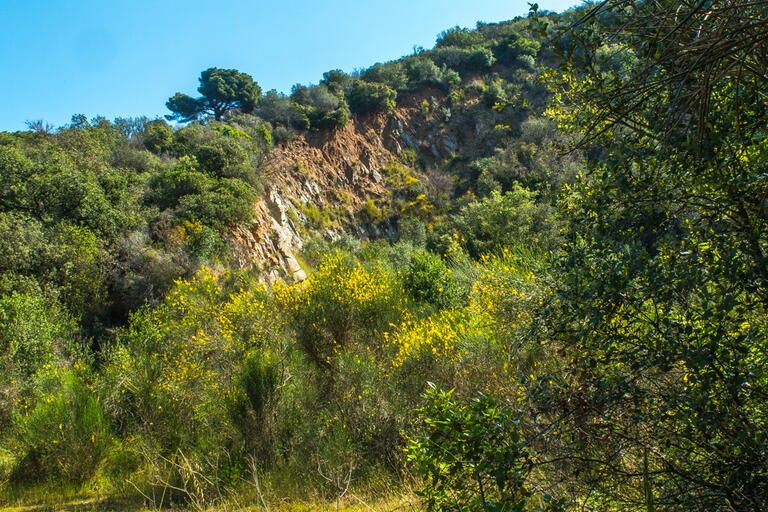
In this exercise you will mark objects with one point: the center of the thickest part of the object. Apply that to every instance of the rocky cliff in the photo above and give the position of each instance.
(332, 174)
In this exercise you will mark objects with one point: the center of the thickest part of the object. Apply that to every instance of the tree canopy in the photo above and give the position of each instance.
(222, 91)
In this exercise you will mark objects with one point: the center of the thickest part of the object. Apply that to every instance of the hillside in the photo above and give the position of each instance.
(524, 270)
(334, 174)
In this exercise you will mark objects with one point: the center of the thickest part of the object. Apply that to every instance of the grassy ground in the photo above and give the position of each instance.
(349, 503)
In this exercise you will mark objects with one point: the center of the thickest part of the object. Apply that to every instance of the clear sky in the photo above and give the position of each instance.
(124, 58)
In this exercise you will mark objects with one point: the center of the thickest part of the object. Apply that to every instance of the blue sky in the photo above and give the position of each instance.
(120, 58)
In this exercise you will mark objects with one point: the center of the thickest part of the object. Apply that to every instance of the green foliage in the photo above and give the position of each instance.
(371, 97)
(337, 81)
(230, 200)
(512, 50)
(390, 74)
(265, 134)
(222, 157)
(495, 94)
(660, 306)
(339, 301)
(372, 212)
(429, 280)
(472, 457)
(80, 269)
(458, 37)
(157, 136)
(274, 108)
(464, 60)
(512, 219)
(63, 432)
(34, 332)
(180, 180)
(422, 72)
(222, 91)
(317, 107)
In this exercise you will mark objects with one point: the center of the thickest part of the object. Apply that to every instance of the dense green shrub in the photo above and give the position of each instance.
(316, 107)
(182, 179)
(507, 220)
(473, 457)
(494, 93)
(340, 301)
(458, 37)
(63, 433)
(34, 331)
(391, 74)
(275, 108)
(230, 200)
(80, 267)
(337, 81)
(508, 51)
(371, 97)
(257, 384)
(157, 137)
(222, 157)
(422, 72)
(428, 279)
(478, 60)
(463, 60)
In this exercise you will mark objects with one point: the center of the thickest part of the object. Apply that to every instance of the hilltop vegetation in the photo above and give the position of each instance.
(558, 303)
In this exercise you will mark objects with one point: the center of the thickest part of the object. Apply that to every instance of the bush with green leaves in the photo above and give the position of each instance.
(34, 332)
(495, 93)
(228, 201)
(157, 136)
(221, 157)
(316, 107)
(422, 72)
(459, 37)
(473, 457)
(338, 81)
(512, 219)
(176, 181)
(391, 74)
(340, 304)
(62, 432)
(509, 51)
(428, 280)
(366, 97)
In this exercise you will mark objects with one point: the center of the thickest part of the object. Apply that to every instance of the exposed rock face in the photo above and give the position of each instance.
(332, 171)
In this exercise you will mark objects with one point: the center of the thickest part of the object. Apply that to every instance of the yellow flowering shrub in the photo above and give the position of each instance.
(506, 291)
(438, 335)
(340, 299)
(61, 430)
(178, 370)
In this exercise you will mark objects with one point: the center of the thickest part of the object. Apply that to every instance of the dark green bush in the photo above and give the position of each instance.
(221, 157)
(391, 74)
(509, 50)
(478, 60)
(274, 108)
(371, 97)
(459, 37)
(157, 137)
(337, 81)
(513, 219)
(495, 94)
(429, 280)
(64, 434)
(316, 107)
(180, 180)
(472, 457)
(230, 200)
(422, 72)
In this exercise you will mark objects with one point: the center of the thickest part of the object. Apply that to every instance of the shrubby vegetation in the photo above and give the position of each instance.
(579, 329)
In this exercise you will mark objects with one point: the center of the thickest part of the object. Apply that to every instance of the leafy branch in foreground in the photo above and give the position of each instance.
(473, 457)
